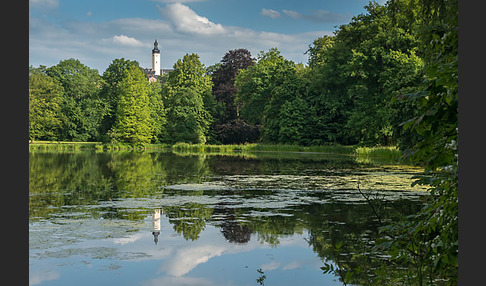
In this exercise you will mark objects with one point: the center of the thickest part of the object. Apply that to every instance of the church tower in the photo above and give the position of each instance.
(156, 58)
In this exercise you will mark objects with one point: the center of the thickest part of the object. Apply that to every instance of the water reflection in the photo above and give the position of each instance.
(232, 226)
(156, 225)
(199, 210)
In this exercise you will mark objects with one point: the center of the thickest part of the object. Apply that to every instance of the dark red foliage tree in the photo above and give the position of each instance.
(224, 77)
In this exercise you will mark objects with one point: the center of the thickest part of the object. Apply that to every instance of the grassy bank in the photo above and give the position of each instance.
(361, 152)
(335, 149)
(59, 145)
(97, 146)
(381, 152)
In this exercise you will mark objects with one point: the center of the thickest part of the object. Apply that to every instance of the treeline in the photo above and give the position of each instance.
(350, 92)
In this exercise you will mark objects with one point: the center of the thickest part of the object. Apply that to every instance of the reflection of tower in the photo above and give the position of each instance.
(156, 58)
(156, 225)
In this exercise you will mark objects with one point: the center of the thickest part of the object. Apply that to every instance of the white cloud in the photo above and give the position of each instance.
(184, 19)
(320, 16)
(140, 26)
(292, 14)
(127, 41)
(89, 13)
(270, 13)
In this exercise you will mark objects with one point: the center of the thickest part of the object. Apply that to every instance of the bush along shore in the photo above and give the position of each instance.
(363, 152)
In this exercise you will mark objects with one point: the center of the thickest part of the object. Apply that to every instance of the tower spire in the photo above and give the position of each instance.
(156, 47)
(156, 58)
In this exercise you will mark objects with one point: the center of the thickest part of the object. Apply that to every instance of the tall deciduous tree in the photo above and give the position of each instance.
(113, 76)
(183, 93)
(224, 77)
(264, 88)
(81, 105)
(45, 96)
(133, 122)
(255, 84)
(158, 112)
(187, 120)
(367, 63)
(317, 50)
(227, 124)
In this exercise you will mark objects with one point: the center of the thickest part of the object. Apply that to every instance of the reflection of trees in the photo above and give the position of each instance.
(43, 185)
(184, 169)
(235, 232)
(346, 236)
(271, 228)
(135, 175)
(59, 179)
(189, 219)
(233, 229)
(82, 178)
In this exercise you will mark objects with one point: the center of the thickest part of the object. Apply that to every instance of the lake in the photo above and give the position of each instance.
(163, 218)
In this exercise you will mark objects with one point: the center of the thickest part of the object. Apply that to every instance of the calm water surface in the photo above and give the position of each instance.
(159, 218)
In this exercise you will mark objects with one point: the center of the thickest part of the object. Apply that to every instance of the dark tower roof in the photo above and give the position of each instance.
(156, 47)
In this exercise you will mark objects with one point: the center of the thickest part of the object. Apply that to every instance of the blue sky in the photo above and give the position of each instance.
(98, 31)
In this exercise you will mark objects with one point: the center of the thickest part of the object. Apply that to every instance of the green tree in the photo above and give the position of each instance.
(428, 241)
(82, 108)
(296, 121)
(45, 96)
(265, 88)
(113, 76)
(327, 92)
(383, 64)
(317, 50)
(187, 120)
(254, 85)
(359, 70)
(190, 73)
(158, 112)
(133, 122)
(183, 92)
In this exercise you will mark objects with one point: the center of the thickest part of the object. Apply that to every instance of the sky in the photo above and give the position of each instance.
(98, 31)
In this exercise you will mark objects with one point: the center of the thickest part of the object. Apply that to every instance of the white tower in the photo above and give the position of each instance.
(156, 58)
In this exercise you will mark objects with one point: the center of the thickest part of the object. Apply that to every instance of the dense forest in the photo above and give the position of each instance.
(388, 77)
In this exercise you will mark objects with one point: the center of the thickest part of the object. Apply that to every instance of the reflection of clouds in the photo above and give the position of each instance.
(293, 265)
(177, 281)
(129, 239)
(39, 277)
(184, 260)
(270, 266)
(301, 264)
